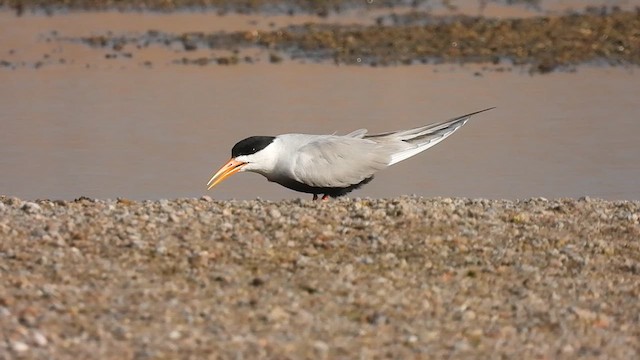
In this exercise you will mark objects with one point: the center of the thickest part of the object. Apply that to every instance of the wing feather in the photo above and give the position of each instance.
(360, 133)
(421, 138)
(338, 161)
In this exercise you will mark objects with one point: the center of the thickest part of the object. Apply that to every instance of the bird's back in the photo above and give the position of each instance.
(331, 160)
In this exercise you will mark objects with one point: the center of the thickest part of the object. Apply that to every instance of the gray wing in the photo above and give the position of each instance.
(338, 161)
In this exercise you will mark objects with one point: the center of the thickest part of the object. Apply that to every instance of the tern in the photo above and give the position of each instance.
(332, 165)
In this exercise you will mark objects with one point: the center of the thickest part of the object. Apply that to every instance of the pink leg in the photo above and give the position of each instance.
(325, 197)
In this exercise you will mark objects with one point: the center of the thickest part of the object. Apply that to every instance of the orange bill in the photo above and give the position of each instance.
(231, 167)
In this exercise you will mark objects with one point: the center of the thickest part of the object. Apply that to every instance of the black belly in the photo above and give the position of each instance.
(333, 192)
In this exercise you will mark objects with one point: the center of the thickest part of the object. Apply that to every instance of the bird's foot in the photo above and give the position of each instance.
(325, 197)
(315, 197)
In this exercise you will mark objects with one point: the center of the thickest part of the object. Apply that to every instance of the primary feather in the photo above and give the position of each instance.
(421, 138)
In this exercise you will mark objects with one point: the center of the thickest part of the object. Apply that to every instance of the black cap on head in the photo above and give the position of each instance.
(251, 145)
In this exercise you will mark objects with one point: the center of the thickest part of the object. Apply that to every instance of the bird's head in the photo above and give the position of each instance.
(251, 154)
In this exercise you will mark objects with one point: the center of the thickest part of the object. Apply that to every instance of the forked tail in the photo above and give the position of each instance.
(423, 137)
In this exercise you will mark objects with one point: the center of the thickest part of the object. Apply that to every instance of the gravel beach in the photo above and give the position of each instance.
(405, 277)
(543, 43)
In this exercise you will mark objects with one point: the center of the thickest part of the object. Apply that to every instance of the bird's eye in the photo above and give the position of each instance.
(253, 149)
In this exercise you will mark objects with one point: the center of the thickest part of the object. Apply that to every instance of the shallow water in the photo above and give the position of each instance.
(113, 128)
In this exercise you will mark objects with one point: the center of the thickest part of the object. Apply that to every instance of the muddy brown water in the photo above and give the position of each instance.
(113, 128)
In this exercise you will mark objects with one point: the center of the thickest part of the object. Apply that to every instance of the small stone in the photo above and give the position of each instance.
(200, 259)
(275, 213)
(321, 347)
(603, 321)
(161, 250)
(206, 198)
(476, 333)
(19, 346)
(278, 314)
(39, 339)
(303, 261)
(275, 58)
(568, 349)
(31, 208)
(462, 346)
(584, 314)
(175, 335)
(28, 316)
(469, 315)
(389, 258)
(126, 202)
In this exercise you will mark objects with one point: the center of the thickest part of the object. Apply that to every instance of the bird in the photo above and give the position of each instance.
(331, 165)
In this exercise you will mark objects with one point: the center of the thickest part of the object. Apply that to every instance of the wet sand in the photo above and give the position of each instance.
(401, 278)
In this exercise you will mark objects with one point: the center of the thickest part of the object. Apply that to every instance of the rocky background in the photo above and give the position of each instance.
(402, 33)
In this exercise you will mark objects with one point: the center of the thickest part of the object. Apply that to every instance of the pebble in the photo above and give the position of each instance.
(39, 339)
(297, 279)
(469, 315)
(278, 314)
(19, 346)
(321, 346)
(274, 213)
(31, 208)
